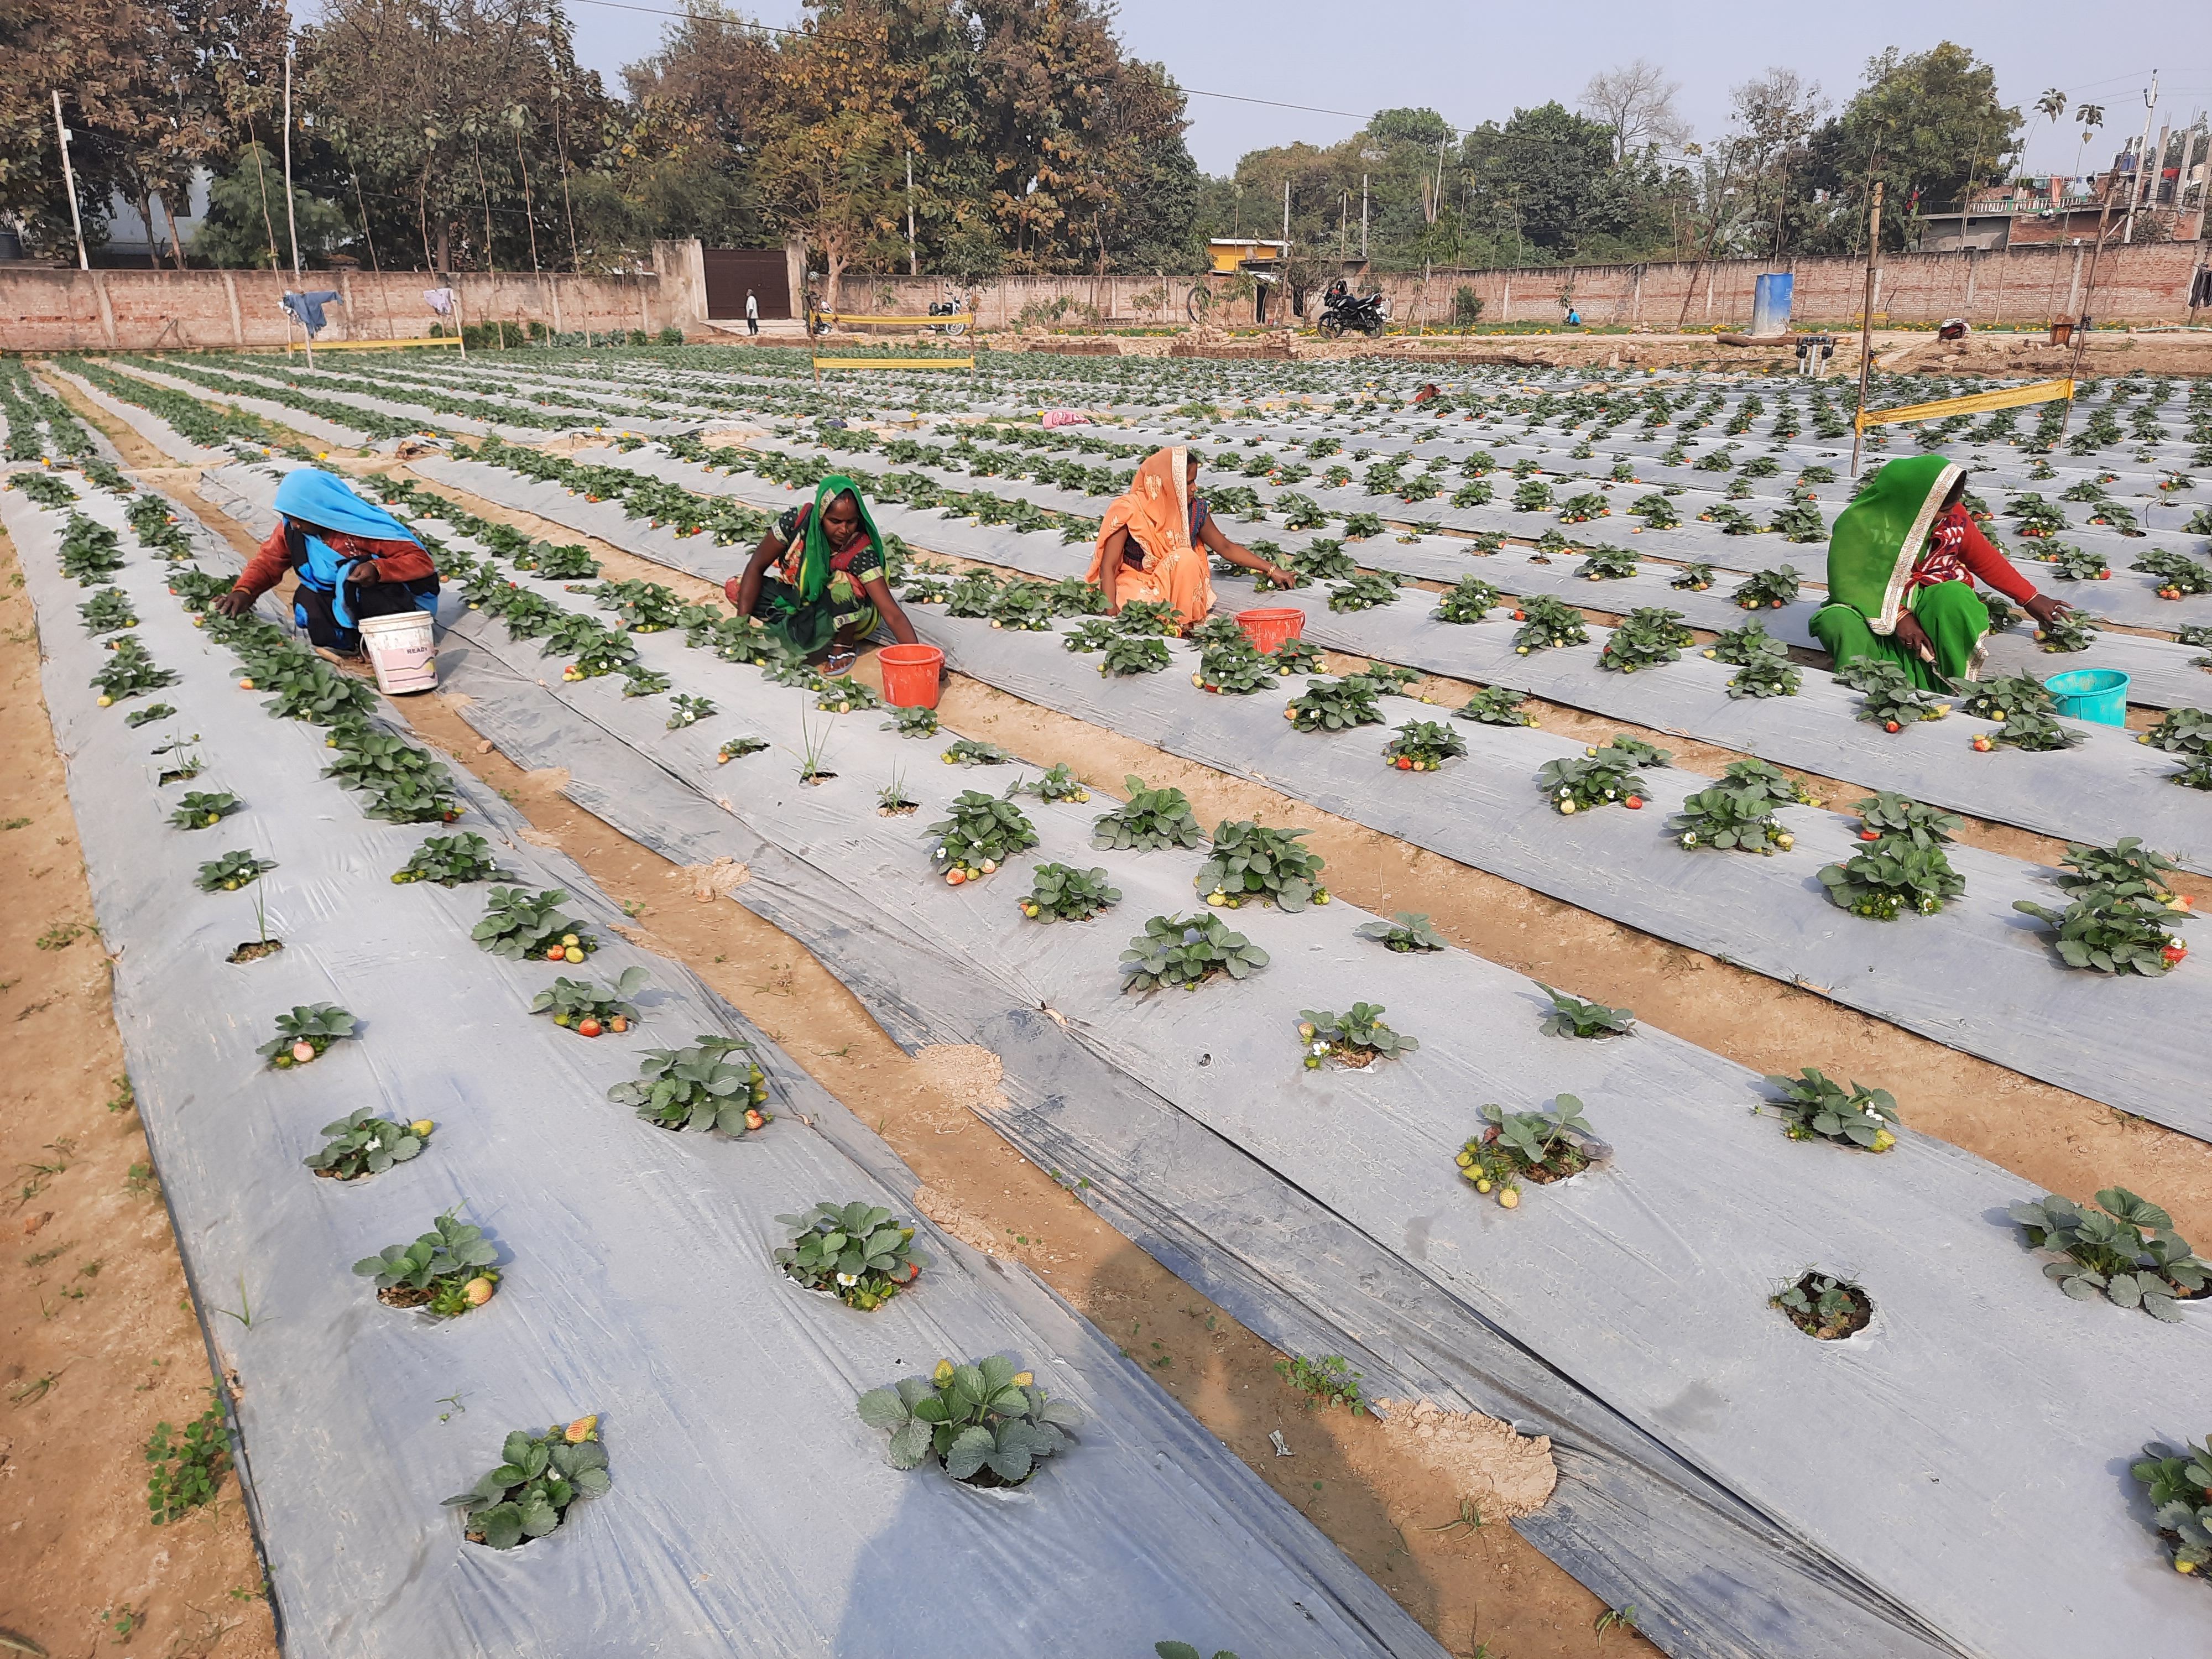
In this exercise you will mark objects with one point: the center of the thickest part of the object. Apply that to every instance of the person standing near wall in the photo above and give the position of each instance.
(752, 312)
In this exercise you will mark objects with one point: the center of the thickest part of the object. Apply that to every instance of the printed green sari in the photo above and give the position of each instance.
(1878, 541)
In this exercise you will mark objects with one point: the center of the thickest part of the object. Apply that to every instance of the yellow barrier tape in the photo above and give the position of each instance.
(926, 322)
(2042, 391)
(894, 362)
(378, 345)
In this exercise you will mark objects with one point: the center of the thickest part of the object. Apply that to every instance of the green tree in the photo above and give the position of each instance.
(244, 226)
(1553, 170)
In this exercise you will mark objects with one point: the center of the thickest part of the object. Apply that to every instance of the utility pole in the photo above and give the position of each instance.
(1866, 322)
(1287, 214)
(913, 259)
(69, 182)
(2142, 157)
(1363, 218)
(291, 214)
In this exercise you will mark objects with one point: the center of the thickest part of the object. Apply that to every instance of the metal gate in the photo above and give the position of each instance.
(731, 270)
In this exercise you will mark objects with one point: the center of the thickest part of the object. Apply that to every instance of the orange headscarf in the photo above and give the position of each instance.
(1155, 512)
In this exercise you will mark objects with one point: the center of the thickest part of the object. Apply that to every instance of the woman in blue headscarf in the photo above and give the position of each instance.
(354, 560)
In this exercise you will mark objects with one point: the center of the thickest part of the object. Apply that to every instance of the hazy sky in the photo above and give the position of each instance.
(1474, 63)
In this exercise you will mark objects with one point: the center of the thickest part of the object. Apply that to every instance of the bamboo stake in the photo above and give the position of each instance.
(1866, 322)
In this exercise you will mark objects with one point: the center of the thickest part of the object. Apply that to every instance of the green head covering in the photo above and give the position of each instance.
(1881, 536)
(814, 554)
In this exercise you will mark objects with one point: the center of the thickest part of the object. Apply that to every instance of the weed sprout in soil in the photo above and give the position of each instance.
(1823, 1305)
(1326, 1381)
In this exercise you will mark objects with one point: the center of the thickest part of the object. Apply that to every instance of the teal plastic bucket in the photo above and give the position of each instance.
(2090, 694)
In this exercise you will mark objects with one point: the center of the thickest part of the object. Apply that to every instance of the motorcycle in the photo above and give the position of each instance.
(1343, 310)
(950, 306)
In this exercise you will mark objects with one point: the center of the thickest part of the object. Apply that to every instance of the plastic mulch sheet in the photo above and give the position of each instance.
(751, 1511)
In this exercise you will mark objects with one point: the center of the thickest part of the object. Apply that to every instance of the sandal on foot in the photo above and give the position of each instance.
(838, 663)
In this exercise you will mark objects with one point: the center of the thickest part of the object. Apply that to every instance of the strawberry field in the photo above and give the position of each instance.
(1567, 621)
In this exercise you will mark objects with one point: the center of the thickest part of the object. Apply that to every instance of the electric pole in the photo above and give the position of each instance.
(2142, 157)
(1866, 325)
(291, 214)
(1363, 218)
(913, 259)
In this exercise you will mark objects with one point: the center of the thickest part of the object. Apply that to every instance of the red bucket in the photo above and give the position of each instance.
(1268, 628)
(910, 675)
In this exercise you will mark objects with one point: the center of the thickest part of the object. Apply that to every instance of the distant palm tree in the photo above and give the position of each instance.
(2051, 106)
(2091, 116)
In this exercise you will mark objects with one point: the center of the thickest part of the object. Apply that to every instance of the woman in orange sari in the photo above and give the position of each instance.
(1153, 542)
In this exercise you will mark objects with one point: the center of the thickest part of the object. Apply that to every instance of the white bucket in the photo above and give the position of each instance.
(400, 649)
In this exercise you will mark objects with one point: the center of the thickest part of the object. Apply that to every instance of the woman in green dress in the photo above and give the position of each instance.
(1902, 561)
(816, 579)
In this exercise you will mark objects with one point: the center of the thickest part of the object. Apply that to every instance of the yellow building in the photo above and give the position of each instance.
(1232, 253)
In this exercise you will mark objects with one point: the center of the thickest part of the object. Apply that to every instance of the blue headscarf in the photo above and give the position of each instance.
(323, 500)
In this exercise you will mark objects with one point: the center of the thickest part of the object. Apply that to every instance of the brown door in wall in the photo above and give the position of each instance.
(731, 270)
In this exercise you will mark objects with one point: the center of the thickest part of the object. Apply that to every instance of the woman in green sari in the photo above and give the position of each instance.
(1902, 561)
(816, 579)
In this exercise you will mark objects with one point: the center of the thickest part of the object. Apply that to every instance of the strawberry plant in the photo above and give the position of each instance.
(2177, 575)
(1891, 700)
(987, 1424)
(2180, 1490)
(971, 751)
(1583, 507)
(1361, 526)
(1646, 637)
(972, 595)
(1356, 1039)
(1800, 522)
(981, 834)
(2031, 729)
(580, 1007)
(402, 783)
(1823, 1306)
(912, 722)
(1768, 589)
(539, 1476)
(197, 589)
(2114, 516)
(2182, 732)
(1133, 656)
(685, 709)
(1216, 630)
(570, 562)
(1141, 617)
(2126, 860)
(1323, 560)
(107, 610)
(2036, 517)
(1149, 818)
(2070, 631)
(2115, 926)
(1531, 495)
(1186, 952)
(199, 809)
(448, 1269)
(1816, 1107)
(364, 1144)
(1572, 1017)
(1300, 512)
(1060, 892)
(713, 1085)
(308, 687)
(639, 681)
(449, 860)
(856, 1252)
(1236, 669)
(45, 489)
(1334, 705)
(1092, 633)
(1657, 512)
(1737, 813)
(1423, 746)
(842, 696)
(1406, 931)
(2074, 564)
(304, 1033)
(1476, 492)
(1365, 591)
(1297, 656)
(1606, 564)
(1597, 777)
(596, 649)
(1495, 705)
(1743, 644)
(642, 607)
(1998, 698)
(1470, 601)
(1732, 520)
(1252, 863)
(738, 748)
(129, 673)
(88, 551)
(1767, 676)
(523, 925)
(1547, 622)
(1542, 1146)
(2126, 1249)
(231, 871)
(1059, 783)
(1903, 867)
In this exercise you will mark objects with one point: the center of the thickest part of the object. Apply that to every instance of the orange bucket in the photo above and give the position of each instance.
(1268, 628)
(910, 675)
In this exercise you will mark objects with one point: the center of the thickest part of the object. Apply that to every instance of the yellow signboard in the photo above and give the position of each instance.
(894, 362)
(961, 318)
(2041, 392)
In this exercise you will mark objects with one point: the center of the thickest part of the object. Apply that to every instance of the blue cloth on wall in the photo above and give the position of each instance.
(308, 307)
